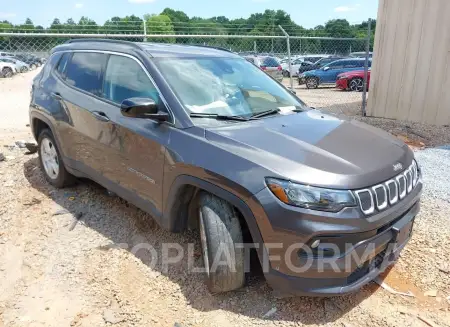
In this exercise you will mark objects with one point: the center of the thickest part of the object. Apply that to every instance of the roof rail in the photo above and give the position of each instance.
(133, 44)
(212, 47)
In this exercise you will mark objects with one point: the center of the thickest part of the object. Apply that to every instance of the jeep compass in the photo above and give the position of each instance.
(200, 138)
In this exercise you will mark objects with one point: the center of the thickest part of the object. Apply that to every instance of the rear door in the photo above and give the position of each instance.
(272, 67)
(335, 68)
(79, 95)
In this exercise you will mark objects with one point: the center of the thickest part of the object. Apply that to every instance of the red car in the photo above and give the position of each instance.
(353, 81)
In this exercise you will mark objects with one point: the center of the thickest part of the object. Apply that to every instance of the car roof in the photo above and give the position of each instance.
(153, 49)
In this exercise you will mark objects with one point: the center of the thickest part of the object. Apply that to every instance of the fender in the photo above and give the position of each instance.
(176, 222)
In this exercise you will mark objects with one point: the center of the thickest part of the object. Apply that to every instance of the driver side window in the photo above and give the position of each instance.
(125, 78)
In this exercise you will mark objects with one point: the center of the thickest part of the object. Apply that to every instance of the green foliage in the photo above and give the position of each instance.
(176, 22)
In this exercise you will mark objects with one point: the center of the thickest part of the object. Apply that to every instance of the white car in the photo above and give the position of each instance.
(20, 65)
(7, 69)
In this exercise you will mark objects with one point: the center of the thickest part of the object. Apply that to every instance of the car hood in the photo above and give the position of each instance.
(315, 148)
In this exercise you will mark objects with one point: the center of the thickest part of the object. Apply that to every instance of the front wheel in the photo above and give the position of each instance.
(220, 233)
(356, 84)
(312, 83)
(33, 66)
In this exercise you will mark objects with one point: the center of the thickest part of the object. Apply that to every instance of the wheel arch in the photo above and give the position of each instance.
(180, 208)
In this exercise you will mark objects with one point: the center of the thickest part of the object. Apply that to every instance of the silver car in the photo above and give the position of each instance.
(268, 64)
(20, 65)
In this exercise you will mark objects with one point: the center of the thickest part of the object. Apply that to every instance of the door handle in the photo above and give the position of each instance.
(100, 116)
(56, 95)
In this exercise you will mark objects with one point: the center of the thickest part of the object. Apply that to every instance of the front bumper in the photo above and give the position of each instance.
(343, 273)
(342, 84)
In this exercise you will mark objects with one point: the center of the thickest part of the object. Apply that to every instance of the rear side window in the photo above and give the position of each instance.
(84, 71)
(338, 64)
(63, 63)
(270, 62)
(125, 78)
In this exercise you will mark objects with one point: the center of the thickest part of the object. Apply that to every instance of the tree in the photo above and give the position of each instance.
(160, 24)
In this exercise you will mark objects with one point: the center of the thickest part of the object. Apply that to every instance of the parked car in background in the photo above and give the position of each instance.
(360, 54)
(301, 63)
(268, 64)
(7, 69)
(31, 61)
(21, 66)
(329, 73)
(353, 81)
(318, 64)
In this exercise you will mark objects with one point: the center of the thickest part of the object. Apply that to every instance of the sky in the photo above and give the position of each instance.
(307, 13)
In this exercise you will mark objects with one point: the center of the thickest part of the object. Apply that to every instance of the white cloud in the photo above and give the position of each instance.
(6, 15)
(141, 1)
(79, 5)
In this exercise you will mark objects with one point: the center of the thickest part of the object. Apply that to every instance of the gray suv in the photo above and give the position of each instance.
(200, 138)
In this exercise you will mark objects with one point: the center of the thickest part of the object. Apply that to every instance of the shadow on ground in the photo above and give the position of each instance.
(122, 223)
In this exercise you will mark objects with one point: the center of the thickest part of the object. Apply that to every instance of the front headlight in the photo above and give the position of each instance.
(310, 197)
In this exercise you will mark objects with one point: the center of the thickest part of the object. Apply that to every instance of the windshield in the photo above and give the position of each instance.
(224, 86)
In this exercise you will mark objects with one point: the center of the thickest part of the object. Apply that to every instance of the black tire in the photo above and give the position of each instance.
(356, 84)
(23, 69)
(63, 178)
(33, 66)
(286, 73)
(312, 83)
(220, 231)
(7, 72)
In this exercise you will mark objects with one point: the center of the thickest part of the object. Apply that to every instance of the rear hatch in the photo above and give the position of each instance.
(272, 67)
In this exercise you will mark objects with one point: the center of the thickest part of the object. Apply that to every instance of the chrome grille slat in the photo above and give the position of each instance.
(393, 191)
(393, 197)
(384, 204)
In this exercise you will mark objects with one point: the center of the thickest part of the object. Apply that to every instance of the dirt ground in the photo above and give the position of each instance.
(64, 262)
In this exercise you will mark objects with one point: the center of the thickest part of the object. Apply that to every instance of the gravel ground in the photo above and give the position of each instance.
(60, 270)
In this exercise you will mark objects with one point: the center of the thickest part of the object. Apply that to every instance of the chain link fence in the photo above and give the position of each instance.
(307, 73)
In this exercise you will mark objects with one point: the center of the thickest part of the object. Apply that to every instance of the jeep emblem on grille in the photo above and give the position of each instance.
(398, 166)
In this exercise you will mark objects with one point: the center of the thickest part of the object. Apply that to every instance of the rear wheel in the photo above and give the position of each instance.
(286, 73)
(312, 83)
(356, 84)
(33, 66)
(7, 72)
(51, 162)
(220, 232)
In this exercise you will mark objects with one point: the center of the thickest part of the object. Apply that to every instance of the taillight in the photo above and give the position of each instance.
(263, 67)
(279, 68)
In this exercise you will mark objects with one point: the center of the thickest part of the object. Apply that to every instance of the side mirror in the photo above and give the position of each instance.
(326, 68)
(142, 108)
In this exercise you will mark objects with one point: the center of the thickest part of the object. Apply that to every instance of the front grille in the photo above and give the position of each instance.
(380, 196)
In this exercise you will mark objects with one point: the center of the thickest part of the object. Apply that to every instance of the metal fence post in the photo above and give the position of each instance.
(291, 81)
(145, 30)
(366, 68)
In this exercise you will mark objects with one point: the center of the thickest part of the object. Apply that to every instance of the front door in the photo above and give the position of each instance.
(136, 145)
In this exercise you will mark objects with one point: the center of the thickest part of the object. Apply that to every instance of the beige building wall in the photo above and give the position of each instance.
(410, 77)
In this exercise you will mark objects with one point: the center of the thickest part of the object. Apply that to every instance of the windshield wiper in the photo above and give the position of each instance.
(265, 113)
(217, 116)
